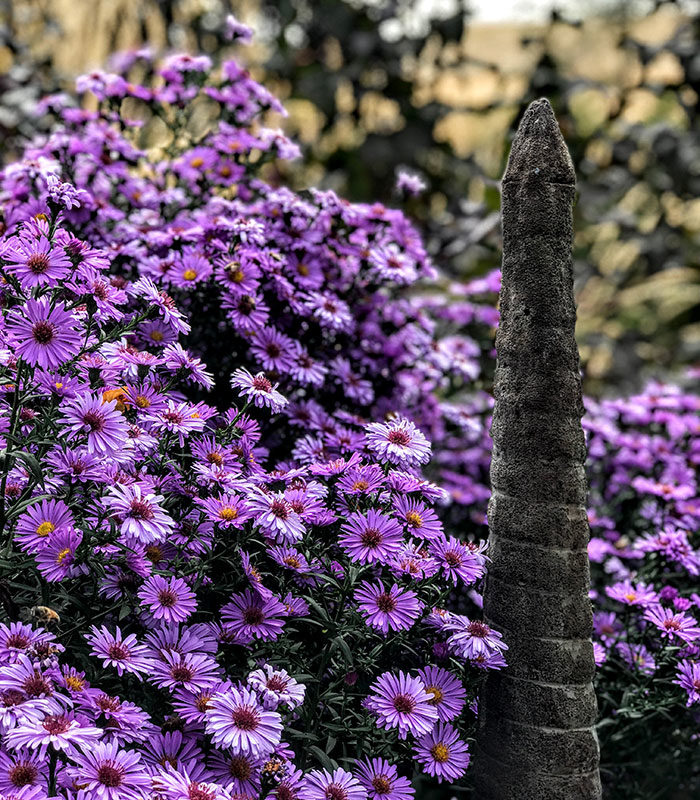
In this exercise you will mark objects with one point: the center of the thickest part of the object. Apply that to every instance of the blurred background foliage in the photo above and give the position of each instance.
(376, 85)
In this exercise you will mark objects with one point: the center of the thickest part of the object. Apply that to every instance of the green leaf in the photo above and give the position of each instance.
(323, 758)
(32, 465)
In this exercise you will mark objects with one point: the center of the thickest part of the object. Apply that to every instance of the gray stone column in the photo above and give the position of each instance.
(536, 738)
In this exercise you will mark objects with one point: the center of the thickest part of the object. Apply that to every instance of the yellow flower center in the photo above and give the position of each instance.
(60, 558)
(189, 274)
(58, 385)
(437, 694)
(142, 402)
(440, 752)
(75, 683)
(227, 513)
(414, 519)
(157, 336)
(45, 528)
(302, 269)
(631, 597)
(197, 161)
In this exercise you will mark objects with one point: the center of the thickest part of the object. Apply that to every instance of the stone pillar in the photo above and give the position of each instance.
(536, 738)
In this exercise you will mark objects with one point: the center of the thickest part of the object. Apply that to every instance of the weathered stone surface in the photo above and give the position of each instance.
(553, 749)
(538, 567)
(510, 782)
(564, 525)
(551, 659)
(536, 727)
(555, 705)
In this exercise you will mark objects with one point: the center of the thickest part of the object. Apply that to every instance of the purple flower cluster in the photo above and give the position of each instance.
(211, 573)
(645, 520)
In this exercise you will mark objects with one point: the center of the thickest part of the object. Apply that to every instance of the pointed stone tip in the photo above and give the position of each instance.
(539, 151)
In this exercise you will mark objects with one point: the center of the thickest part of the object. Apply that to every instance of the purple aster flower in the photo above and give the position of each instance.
(193, 706)
(272, 350)
(382, 781)
(56, 560)
(389, 262)
(184, 784)
(41, 520)
(637, 656)
(396, 609)
(181, 419)
(124, 653)
(45, 336)
(260, 391)
(16, 638)
(239, 773)
(456, 560)
(680, 625)
(170, 600)
(632, 595)
(275, 515)
(473, 638)
(228, 511)
(447, 691)
(665, 490)
(237, 31)
(163, 302)
(442, 753)
(191, 671)
(171, 747)
(236, 720)
(276, 687)
(338, 785)
(688, 678)
(60, 731)
(35, 262)
(409, 183)
(106, 429)
(248, 615)
(190, 368)
(419, 520)
(361, 480)
(402, 702)
(330, 311)
(290, 558)
(398, 442)
(106, 772)
(65, 195)
(371, 537)
(138, 513)
(600, 654)
(607, 626)
(21, 770)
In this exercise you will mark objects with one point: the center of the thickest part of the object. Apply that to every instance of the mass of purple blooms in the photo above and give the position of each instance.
(644, 453)
(245, 464)
(225, 571)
